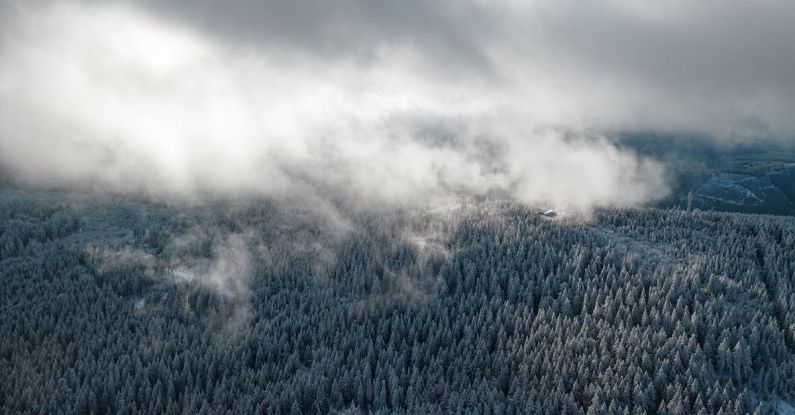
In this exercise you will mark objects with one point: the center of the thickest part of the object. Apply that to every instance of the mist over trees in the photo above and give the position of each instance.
(275, 207)
(124, 306)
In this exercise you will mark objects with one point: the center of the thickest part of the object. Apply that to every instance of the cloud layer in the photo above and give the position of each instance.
(410, 102)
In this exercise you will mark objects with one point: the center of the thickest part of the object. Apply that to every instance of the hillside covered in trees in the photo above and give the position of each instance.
(127, 306)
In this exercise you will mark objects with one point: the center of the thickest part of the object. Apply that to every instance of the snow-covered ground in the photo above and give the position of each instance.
(740, 191)
(735, 189)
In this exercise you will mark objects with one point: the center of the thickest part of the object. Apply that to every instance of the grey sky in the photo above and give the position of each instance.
(718, 66)
(391, 101)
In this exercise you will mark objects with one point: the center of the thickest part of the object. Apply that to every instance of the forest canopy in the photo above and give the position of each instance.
(127, 306)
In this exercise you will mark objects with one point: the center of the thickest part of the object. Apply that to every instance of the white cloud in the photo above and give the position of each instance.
(116, 97)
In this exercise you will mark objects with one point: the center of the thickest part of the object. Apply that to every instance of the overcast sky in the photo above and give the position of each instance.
(410, 101)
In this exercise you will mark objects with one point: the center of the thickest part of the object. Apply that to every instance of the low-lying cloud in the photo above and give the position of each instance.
(220, 262)
(411, 104)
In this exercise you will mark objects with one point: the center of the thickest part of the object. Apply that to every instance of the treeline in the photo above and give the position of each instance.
(127, 307)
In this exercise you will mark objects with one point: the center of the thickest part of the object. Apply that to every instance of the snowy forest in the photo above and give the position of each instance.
(397, 207)
(119, 306)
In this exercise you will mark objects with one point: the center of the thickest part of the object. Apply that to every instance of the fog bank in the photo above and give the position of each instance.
(413, 104)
